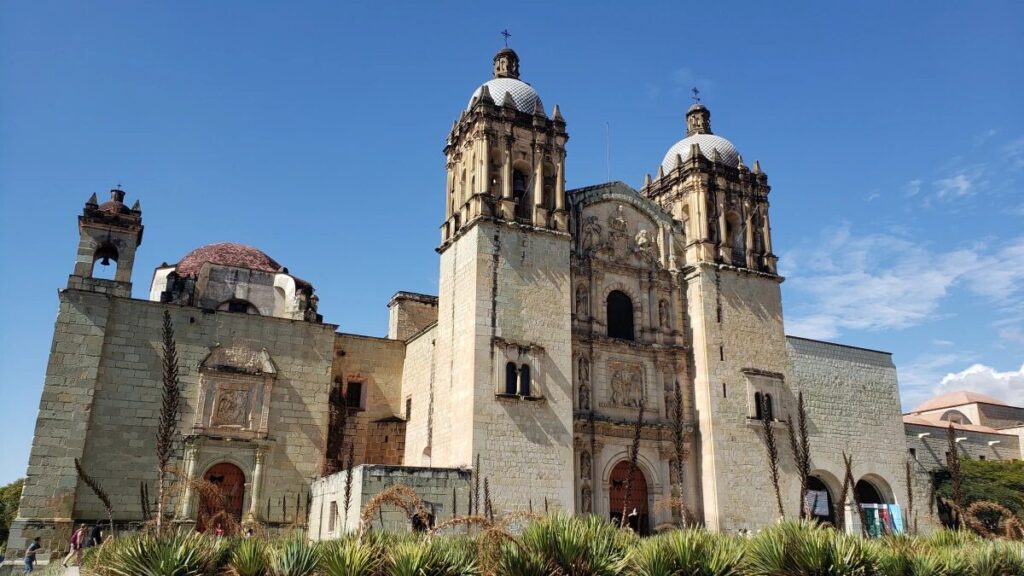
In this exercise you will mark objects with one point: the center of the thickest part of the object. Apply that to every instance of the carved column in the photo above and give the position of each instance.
(257, 480)
(560, 184)
(191, 455)
(506, 171)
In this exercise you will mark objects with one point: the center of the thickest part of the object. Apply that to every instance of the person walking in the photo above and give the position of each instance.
(30, 554)
(77, 541)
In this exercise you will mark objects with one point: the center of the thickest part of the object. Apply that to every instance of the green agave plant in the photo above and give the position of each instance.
(408, 558)
(248, 558)
(574, 546)
(687, 553)
(999, 558)
(807, 549)
(348, 558)
(294, 557)
(177, 554)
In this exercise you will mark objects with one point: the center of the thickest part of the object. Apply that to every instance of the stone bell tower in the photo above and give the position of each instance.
(505, 156)
(501, 380)
(108, 233)
(735, 306)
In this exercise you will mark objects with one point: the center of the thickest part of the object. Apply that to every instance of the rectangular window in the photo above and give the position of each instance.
(332, 520)
(913, 453)
(981, 457)
(408, 408)
(354, 395)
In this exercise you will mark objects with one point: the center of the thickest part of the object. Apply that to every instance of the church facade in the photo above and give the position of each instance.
(561, 317)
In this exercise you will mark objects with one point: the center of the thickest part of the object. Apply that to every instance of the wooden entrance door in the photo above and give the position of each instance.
(636, 506)
(230, 481)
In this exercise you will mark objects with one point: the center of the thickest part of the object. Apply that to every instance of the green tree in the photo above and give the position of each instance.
(10, 497)
(998, 481)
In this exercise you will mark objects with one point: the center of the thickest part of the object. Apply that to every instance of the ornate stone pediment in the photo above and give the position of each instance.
(625, 383)
(234, 391)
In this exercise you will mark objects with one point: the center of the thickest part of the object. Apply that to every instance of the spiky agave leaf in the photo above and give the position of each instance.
(294, 557)
(408, 558)
(348, 557)
(176, 554)
(249, 558)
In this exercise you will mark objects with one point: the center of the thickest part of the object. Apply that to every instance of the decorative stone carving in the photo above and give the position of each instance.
(617, 220)
(626, 383)
(591, 234)
(585, 465)
(663, 314)
(583, 375)
(586, 498)
(712, 202)
(584, 397)
(231, 408)
(582, 302)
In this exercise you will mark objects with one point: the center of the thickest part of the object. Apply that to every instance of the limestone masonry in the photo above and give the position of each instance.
(560, 317)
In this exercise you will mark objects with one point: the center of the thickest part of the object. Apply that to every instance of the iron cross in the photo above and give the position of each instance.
(506, 35)
(696, 94)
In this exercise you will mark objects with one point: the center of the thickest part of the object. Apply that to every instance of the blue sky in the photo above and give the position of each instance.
(892, 134)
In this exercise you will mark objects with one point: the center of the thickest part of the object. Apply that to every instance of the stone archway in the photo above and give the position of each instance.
(230, 481)
(820, 502)
(637, 513)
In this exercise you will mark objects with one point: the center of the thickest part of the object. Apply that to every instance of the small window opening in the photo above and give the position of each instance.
(769, 412)
(332, 520)
(724, 395)
(758, 411)
(408, 408)
(721, 353)
(620, 316)
(511, 375)
(101, 262)
(981, 457)
(913, 453)
(354, 395)
(521, 196)
(524, 380)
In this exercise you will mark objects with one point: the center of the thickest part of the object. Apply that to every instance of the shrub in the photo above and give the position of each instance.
(294, 557)
(348, 558)
(179, 553)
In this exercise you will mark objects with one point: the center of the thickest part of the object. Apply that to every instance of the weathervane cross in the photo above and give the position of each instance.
(506, 35)
(696, 94)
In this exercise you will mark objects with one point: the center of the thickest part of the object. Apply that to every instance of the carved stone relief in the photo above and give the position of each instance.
(591, 234)
(582, 302)
(663, 314)
(586, 497)
(585, 465)
(626, 383)
(231, 407)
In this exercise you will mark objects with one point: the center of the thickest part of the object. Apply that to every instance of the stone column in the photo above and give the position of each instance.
(485, 167)
(191, 455)
(506, 172)
(538, 176)
(257, 480)
(560, 184)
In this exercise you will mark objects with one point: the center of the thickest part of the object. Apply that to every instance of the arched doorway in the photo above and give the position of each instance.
(875, 513)
(819, 501)
(636, 507)
(230, 481)
(867, 493)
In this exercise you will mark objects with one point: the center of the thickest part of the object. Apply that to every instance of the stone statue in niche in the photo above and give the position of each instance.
(584, 397)
(591, 233)
(585, 465)
(583, 373)
(626, 383)
(617, 221)
(582, 302)
(585, 500)
(755, 222)
(712, 201)
(663, 314)
(230, 408)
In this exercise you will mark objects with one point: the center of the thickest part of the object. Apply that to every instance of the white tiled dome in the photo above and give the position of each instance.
(707, 142)
(524, 96)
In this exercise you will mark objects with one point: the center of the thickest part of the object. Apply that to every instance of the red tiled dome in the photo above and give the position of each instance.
(226, 254)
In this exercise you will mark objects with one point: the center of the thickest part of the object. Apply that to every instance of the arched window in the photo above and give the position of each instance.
(524, 380)
(511, 376)
(769, 411)
(520, 195)
(620, 316)
(956, 417)
(101, 267)
(758, 406)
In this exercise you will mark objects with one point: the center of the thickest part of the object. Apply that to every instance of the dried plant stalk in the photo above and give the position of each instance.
(678, 435)
(910, 496)
(953, 463)
(168, 427)
(100, 493)
(399, 495)
(350, 461)
(773, 454)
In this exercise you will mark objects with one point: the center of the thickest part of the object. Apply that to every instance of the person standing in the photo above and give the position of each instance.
(30, 555)
(96, 536)
(77, 541)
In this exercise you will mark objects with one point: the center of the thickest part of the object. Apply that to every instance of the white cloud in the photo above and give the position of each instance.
(1006, 386)
(912, 188)
(958, 185)
(918, 377)
(885, 281)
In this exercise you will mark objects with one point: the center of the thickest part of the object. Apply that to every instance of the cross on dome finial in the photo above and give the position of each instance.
(696, 95)
(506, 34)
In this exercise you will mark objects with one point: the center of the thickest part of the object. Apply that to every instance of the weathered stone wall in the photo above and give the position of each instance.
(435, 486)
(1000, 416)
(930, 451)
(417, 385)
(409, 314)
(504, 290)
(102, 394)
(852, 400)
(737, 326)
